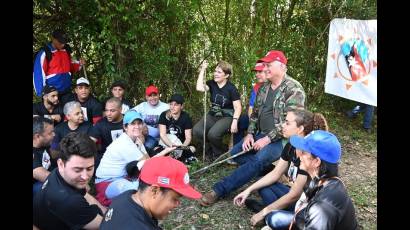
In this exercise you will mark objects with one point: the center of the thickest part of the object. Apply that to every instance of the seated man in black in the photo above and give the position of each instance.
(63, 202)
(109, 128)
(175, 128)
(43, 163)
(49, 107)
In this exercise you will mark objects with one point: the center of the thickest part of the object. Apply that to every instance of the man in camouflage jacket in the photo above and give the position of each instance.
(264, 139)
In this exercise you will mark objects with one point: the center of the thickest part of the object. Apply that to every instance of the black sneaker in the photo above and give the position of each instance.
(254, 205)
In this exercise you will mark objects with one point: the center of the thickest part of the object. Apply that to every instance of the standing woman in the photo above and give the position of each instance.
(225, 107)
(279, 199)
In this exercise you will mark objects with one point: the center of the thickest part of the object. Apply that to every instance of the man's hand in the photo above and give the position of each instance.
(56, 117)
(234, 126)
(82, 61)
(257, 217)
(248, 142)
(259, 144)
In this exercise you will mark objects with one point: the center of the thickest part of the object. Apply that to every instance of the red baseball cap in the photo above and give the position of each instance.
(150, 90)
(258, 66)
(167, 172)
(274, 55)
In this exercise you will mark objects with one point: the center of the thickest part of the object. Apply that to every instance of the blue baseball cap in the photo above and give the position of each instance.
(130, 116)
(322, 144)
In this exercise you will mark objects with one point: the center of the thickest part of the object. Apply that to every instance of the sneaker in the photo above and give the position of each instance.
(208, 199)
(190, 160)
(266, 228)
(254, 205)
(231, 162)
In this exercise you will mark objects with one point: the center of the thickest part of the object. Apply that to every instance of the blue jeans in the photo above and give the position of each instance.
(279, 219)
(272, 193)
(243, 124)
(368, 114)
(150, 142)
(251, 165)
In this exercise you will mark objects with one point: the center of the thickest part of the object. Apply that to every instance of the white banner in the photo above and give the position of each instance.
(351, 70)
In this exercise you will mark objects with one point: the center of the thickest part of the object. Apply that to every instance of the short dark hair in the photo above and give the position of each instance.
(39, 124)
(327, 170)
(142, 186)
(77, 143)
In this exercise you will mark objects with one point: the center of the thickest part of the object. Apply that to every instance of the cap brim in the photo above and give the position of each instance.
(299, 143)
(188, 191)
(266, 60)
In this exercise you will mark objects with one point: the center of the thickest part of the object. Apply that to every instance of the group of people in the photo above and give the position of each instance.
(137, 155)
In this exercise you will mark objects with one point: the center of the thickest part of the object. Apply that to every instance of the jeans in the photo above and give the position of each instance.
(251, 165)
(279, 219)
(150, 142)
(243, 124)
(368, 114)
(119, 186)
(272, 193)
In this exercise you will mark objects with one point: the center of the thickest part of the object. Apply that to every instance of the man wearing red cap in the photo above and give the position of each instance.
(150, 111)
(163, 180)
(264, 139)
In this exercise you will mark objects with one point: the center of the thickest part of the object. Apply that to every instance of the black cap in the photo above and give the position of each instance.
(118, 83)
(177, 98)
(48, 89)
(61, 36)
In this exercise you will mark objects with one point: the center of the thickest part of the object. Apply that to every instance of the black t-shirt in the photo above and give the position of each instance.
(41, 158)
(91, 108)
(58, 205)
(124, 213)
(222, 98)
(62, 130)
(176, 127)
(289, 155)
(40, 109)
(106, 131)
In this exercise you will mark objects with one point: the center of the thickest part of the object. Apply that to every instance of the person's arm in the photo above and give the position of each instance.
(321, 215)
(94, 224)
(237, 107)
(40, 174)
(163, 135)
(40, 69)
(267, 180)
(188, 137)
(200, 85)
(91, 200)
(281, 203)
(165, 151)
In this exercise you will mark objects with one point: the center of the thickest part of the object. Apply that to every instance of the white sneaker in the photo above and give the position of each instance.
(231, 162)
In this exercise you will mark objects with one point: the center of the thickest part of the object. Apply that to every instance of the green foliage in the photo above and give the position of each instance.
(164, 41)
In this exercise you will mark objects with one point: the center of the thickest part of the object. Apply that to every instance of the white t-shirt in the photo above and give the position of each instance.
(151, 114)
(118, 154)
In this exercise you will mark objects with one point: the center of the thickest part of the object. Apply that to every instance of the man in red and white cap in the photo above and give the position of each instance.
(163, 180)
(150, 111)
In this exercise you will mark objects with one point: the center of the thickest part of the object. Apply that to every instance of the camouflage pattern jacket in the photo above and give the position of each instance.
(289, 95)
